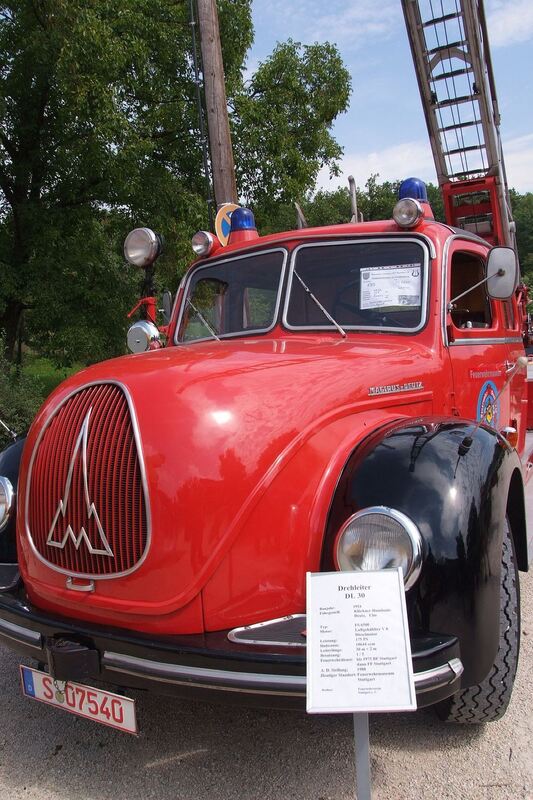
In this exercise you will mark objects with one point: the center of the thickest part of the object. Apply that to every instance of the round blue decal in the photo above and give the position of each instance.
(488, 407)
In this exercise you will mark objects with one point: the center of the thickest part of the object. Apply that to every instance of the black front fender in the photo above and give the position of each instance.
(453, 481)
(9, 468)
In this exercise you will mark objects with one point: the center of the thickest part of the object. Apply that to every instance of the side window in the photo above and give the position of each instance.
(472, 310)
(258, 306)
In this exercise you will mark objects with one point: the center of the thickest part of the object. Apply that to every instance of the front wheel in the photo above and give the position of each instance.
(488, 700)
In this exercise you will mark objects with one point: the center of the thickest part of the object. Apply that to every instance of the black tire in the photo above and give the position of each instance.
(488, 700)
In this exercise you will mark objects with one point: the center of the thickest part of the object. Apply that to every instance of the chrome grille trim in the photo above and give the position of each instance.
(144, 484)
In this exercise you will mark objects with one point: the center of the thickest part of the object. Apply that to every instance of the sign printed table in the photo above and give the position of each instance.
(358, 649)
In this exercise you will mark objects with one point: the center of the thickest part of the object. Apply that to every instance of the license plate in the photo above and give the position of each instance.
(85, 701)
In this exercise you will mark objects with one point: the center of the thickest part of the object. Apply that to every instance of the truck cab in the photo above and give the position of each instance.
(340, 398)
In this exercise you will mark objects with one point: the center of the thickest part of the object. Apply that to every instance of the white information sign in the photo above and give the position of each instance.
(358, 648)
(396, 286)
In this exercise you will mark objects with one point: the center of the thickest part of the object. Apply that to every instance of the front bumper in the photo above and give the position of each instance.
(208, 666)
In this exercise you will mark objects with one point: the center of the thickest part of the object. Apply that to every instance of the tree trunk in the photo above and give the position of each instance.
(9, 323)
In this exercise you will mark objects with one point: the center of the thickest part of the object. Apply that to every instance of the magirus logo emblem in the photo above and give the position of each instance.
(80, 451)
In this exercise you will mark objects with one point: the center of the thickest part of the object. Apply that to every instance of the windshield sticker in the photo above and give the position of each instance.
(488, 405)
(394, 287)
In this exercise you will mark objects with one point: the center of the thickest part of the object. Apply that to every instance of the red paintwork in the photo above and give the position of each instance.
(150, 304)
(244, 441)
(530, 405)
(240, 237)
(472, 188)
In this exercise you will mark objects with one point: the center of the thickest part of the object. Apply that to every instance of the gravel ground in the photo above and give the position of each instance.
(189, 751)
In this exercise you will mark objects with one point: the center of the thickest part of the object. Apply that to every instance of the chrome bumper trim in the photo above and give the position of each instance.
(238, 635)
(253, 682)
(438, 676)
(21, 635)
(220, 679)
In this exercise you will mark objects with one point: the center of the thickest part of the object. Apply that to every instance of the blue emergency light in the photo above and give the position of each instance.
(242, 219)
(414, 188)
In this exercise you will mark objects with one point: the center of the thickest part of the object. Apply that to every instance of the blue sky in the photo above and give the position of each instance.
(384, 130)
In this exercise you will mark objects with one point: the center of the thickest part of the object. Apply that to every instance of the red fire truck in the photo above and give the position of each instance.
(341, 398)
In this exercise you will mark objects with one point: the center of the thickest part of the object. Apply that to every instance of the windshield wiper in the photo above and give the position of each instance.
(203, 319)
(321, 307)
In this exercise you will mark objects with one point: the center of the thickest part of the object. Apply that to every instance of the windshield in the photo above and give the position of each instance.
(367, 284)
(234, 296)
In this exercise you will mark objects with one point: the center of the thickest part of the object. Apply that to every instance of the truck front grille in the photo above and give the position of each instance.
(87, 504)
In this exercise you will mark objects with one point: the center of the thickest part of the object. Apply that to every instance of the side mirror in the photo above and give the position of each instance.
(167, 306)
(502, 273)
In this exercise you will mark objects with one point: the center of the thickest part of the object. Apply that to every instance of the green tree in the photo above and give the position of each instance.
(99, 133)
(20, 398)
(281, 122)
(375, 201)
(522, 207)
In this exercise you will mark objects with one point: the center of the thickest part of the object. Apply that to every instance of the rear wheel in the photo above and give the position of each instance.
(488, 700)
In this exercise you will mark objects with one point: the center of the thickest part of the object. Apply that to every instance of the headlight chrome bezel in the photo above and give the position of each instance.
(407, 212)
(203, 243)
(412, 532)
(141, 247)
(141, 335)
(7, 501)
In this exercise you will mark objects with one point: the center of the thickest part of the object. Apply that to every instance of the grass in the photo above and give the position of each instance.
(45, 372)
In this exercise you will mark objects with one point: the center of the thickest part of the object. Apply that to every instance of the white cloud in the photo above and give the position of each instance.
(414, 159)
(519, 162)
(347, 23)
(408, 159)
(510, 22)
(356, 23)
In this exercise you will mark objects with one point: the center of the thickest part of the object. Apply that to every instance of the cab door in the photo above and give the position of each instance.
(484, 343)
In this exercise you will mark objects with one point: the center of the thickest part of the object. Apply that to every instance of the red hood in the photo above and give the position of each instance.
(217, 421)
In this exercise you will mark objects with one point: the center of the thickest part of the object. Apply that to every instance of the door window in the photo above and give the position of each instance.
(472, 308)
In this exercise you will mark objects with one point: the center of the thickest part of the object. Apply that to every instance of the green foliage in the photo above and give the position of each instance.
(20, 397)
(374, 202)
(281, 121)
(522, 207)
(46, 374)
(99, 133)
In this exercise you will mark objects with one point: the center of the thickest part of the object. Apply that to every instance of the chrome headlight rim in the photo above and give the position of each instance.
(401, 216)
(202, 243)
(141, 247)
(7, 497)
(412, 531)
(141, 335)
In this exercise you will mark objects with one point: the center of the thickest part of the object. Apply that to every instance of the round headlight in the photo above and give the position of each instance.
(202, 243)
(141, 335)
(407, 212)
(142, 246)
(7, 496)
(380, 538)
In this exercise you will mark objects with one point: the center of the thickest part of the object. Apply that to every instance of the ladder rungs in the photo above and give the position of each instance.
(468, 149)
(449, 46)
(438, 20)
(452, 74)
(468, 172)
(456, 101)
(459, 125)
